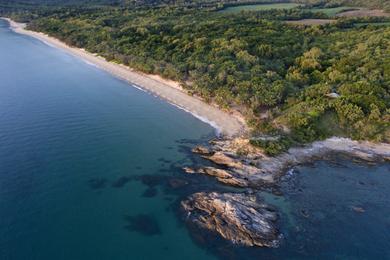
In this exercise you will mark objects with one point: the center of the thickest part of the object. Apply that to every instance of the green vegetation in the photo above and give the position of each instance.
(299, 84)
(259, 7)
(372, 24)
(274, 146)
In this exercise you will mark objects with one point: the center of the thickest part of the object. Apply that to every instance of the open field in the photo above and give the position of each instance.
(259, 7)
(363, 13)
(331, 11)
(339, 12)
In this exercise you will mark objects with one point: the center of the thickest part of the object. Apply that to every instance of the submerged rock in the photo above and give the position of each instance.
(201, 150)
(176, 183)
(119, 183)
(143, 223)
(358, 209)
(149, 193)
(189, 170)
(240, 218)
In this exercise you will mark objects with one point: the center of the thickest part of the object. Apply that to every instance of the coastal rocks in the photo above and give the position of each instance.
(247, 176)
(224, 160)
(248, 163)
(224, 176)
(240, 147)
(366, 151)
(189, 170)
(201, 150)
(237, 159)
(241, 218)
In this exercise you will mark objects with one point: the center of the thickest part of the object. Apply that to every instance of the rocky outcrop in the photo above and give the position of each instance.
(221, 175)
(224, 176)
(201, 150)
(224, 160)
(247, 176)
(247, 166)
(241, 218)
(363, 150)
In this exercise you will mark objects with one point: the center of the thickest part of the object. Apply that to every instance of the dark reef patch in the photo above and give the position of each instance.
(176, 183)
(119, 183)
(97, 183)
(145, 224)
(152, 180)
(150, 193)
(164, 160)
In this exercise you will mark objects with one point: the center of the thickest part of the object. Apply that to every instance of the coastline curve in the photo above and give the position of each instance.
(224, 123)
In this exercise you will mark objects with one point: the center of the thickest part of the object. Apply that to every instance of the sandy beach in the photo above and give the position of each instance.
(227, 124)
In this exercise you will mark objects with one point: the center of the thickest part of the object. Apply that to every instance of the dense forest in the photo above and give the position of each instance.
(381, 4)
(299, 84)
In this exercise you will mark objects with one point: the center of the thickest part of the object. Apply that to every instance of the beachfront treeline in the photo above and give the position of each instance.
(298, 83)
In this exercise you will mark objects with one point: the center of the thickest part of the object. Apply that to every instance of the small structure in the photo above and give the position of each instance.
(333, 95)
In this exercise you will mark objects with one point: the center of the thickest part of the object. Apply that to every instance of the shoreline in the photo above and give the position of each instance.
(226, 124)
(254, 169)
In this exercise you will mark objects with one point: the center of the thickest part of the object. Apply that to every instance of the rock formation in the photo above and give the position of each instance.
(241, 218)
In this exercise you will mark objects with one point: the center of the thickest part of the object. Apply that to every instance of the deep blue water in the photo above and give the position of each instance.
(90, 169)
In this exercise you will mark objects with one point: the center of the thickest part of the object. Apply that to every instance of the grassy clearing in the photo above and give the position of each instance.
(259, 7)
(331, 11)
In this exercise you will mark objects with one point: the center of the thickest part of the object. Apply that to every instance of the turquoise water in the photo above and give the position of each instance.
(74, 142)
(90, 169)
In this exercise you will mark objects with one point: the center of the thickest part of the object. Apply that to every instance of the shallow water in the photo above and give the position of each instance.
(73, 143)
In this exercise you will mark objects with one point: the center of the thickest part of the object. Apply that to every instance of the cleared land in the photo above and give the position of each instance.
(259, 7)
(311, 21)
(363, 13)
(332, 11)
(341, 12)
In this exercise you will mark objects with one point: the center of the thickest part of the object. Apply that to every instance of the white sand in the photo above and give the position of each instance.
(228, 124)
